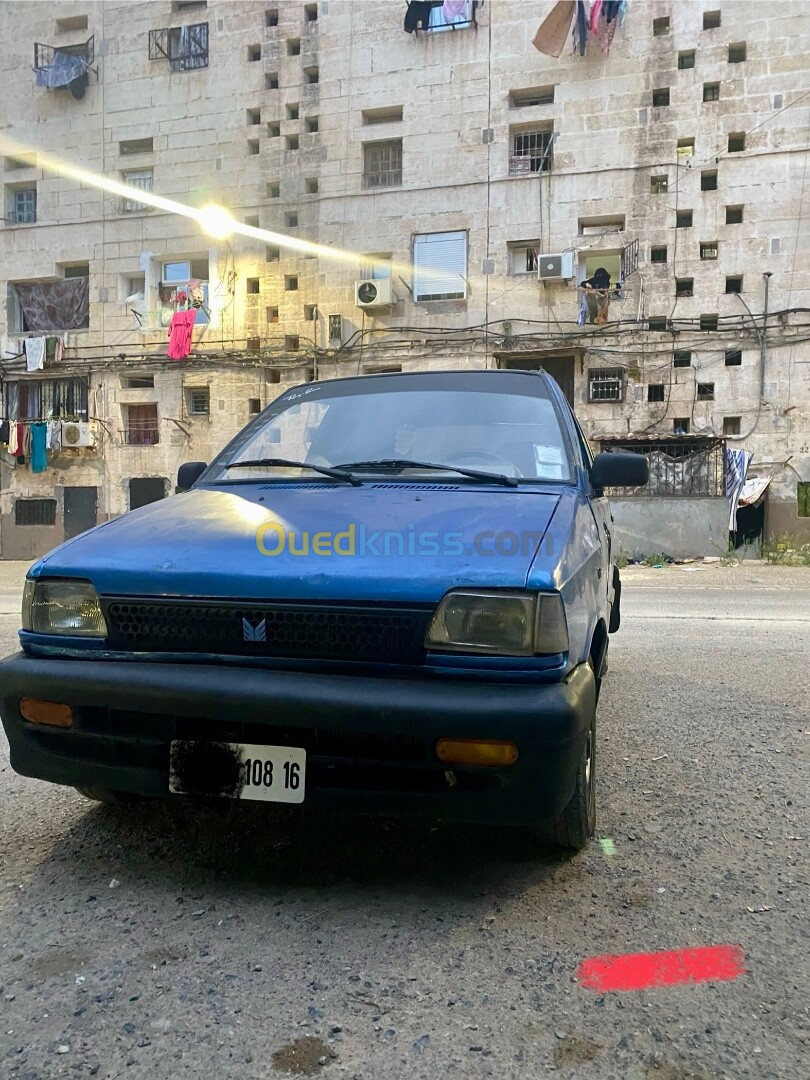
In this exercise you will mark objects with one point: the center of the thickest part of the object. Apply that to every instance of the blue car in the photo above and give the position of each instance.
(388, 594)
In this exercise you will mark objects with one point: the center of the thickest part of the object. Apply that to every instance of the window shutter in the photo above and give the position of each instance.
(440, 266)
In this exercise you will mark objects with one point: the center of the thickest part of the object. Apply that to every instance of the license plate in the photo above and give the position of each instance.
(238, 770)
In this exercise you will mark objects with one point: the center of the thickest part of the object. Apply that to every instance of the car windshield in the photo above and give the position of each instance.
(396, 431)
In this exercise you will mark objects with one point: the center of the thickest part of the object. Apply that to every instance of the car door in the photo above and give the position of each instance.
(600, 508)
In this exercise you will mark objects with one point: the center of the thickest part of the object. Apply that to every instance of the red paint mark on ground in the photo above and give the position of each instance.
(640, 971)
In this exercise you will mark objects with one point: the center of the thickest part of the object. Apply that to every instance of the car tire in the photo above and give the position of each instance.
(108, 796)
(616, 608)
(575, 826)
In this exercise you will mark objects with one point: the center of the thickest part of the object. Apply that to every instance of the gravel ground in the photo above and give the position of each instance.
(234, 944)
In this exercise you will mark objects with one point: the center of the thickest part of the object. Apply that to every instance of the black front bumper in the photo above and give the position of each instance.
(370, 741)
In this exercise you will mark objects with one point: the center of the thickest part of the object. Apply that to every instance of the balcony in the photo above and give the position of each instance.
(185, 47)
(66, 67)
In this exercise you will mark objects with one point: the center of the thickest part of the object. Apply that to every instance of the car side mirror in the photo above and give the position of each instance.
(188, 474)
(619, 470)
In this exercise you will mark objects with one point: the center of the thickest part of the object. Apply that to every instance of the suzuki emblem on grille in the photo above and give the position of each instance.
(254, 633)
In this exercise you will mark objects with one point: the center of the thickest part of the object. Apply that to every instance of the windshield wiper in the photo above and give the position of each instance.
(397, 464)
(336, 474)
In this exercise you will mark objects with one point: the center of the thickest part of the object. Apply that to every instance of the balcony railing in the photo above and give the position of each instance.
(146, 434)
(64, 67)
(185, 47)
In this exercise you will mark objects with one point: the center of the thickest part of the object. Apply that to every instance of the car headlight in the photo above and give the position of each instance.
(62, 607)
(499, 623)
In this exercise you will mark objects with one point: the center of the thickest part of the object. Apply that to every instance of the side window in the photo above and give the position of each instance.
(585, 450)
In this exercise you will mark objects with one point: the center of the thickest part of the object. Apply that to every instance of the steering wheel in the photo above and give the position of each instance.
(474, 458)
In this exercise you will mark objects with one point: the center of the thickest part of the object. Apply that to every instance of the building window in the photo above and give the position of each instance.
(252, 286)
(734, 215)
(659, 185)
(711, 20)
(530, 151)
(180, 277)
(657, 322)
(272, 314)
(137, 382)
(271, 17)
(680, 425)
(198, 400)
(293, 110)
(291, 283)
(733, 357)
(658, 254)
(141, 424)
(734, 283)
(708, 180)
(684, 286)
(708, 250)
(143, 180)
(311, 185)
(776, 245)
(291, 142)
(661, 26)
(23, 206)
(273, 191)
(523, 257)
(253, 146)
(310, 12)
(375, 267)
(71, 24)
(685, 148)
(185, 47)
(254, 406)
(312, 125)
(293, 46)
(274, 130)
(711, 91)
(254, 53)
(605, 384)
(686, 59)
(705, 391)
(292, 342)
(731, 425)
(709, 322)
(660, 96)
(35, 511)
(736, 142)
(272, 253)
(440, 266)
(600, 226)
(291, 219)
(737, 53)
(310, 312)
(386, 114)
(655, 392)
(803, 498)
(254, 116)
(41, 399)
(311, 75)
(682, 358)
(271, 80)
(531, 95)
(683, 219)
(440, 22)
(382, 164)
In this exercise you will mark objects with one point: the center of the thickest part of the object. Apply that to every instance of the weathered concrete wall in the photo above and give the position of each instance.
(682, 528)
(782, 519)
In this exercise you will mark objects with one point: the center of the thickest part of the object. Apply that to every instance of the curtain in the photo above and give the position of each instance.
(55, 306)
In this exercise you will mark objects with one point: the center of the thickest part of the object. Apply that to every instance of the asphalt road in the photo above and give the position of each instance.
(155, 944)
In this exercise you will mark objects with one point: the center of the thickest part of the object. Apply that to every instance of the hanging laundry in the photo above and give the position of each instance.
(553, 30)
(605, 32)
(15, 439)
(39, 434)
(583, 305)
(417, 17)
(593, 21)
(581, 27)
(5, 432)
(622, 11)
(456, 9)
(34, 353)
(611, 10)
(180, 334)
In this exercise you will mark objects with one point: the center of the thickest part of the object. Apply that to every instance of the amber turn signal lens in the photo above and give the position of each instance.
(46, 712)
(476, 752)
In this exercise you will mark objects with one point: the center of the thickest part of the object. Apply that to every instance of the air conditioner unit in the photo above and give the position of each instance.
(555, 267)
(373, 293)
(78, 433)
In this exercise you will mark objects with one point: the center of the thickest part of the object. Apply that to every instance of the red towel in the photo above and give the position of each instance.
(180, 334)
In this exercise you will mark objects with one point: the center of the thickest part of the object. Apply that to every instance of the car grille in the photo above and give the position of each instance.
(380, 634)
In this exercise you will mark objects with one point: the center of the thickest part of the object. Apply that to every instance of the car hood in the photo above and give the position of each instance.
(403, 542)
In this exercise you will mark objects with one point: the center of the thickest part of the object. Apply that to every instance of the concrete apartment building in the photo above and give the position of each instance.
(472, 179)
